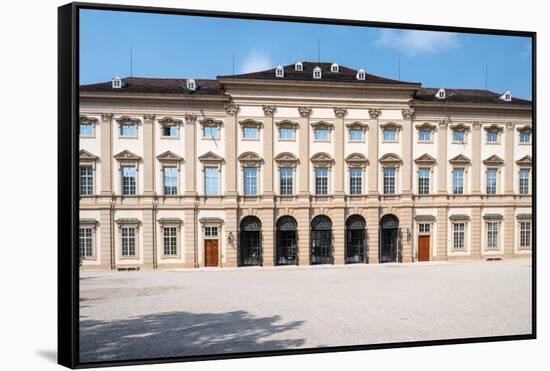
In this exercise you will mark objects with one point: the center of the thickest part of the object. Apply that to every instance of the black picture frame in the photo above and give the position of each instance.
(68, 199)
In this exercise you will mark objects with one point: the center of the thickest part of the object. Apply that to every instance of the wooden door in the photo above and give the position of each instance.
(211, 253)
(423, 248)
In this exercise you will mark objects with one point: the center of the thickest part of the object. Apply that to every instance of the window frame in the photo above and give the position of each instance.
(385, 185)
(457, 234)
(255, 184)
(423, 186)
(135, 237)
(281, 180)
(463, 190)
(492, 235)
(488, 171)
(205, 177)
(176, 241)
(134, 125)
(528, 232)
(356, 189)
(176, 169)
(92, 228)
(91, 177)
(136, 176)
(528, 179)
(318, 187)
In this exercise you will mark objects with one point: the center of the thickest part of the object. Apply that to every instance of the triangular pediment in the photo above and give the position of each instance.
(425, 159)
(286, 156)
(493, 160)
(169, 156)
(356, 157)
(210, 156)
(460, 159)
(127, 155)
(525, 160)
(321, 156)
(85, 155)
(249, 156)
(390, 158)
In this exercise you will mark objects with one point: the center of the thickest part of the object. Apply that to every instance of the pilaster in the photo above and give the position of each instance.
(338, 234)
(149, 242)
(442, 228)
(268, 151)
(230, 139)
(475, 230)
(476, 158)
(339, 134)
(509, 230)
(190, 155)
(509, 159)
(106, 248)
(372, 148)
(268, 240)
(405, 221)
(303, 219)
(190, 243)
(303, 166)
(229, 254)
(148, 155)
(373, 219)
(406, 146)
(106, 142)
(442, 140)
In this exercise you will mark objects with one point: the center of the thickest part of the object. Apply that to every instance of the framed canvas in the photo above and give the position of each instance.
(314, 185)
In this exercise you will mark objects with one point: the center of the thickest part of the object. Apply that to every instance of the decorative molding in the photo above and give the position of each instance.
(460, 160)
(509, 126)
(493, 127)
(169, 120)
(149, 118)
(424, 218)
(106, 117)
(269, 110)
(357, 159)
(322, 159)
(460, 127)
(390, 159)
(251, 123)
(287, 124)
(86, 119)
(459, 217)
(126, 156)
(425, 159)
(391, 125)
(169, 156)
(374, 113)
(210, 157)
(524, 216)
(408, 113)
(493, 160)
(304, 111)
(211, 220)
(231, 108)
(211, 122)
(170, 221)
(426, 126)
(524, 128)
(442, 124)
(321, 124)
(525, 161)
(476, 124)
(340, 112)
(190, 118)
(286, 159)
(88, 221)
(249, 159)
(134, 221)
(126, 119)
(492, 217)
(87, 156)
(357, 124)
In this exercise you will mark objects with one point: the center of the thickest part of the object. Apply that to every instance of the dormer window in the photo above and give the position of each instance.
(317, 73)
(279, 71)
(299, 66)
(117, 83)
(440, 94)
(507, 96)
(191, 84)
(361, 74)
(334, 68)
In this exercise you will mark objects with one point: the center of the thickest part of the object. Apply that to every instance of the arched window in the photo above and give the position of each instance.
(390, 239)
(321, 240)
(355, 239)
(361, 74)
(299, 66)
(334, 68)
(279, 71)
(287, 237)
(251, 242)
(317, 73)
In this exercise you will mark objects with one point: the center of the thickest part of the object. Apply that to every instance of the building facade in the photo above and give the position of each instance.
(310, 163)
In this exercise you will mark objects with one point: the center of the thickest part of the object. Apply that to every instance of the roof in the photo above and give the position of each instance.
(466, 96)
(345, 74)
(149, 85)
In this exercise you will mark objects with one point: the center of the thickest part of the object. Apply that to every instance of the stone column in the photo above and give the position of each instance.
(373, 219)
(106, 142)
(231, 226)
(106, 248)
(476, 158)
(190, 155)
(191, 238)
(268, 151)
(442, 161)
(509, 159)
(508, 228)
(304, 151)
(338, 234)
(148, 229)
(230, 140)
(442, 227)
(372, 148)
(475, 229)
(406, 145)
(303, 220)
(148, 155)
(405, 222)
(339, 135)
(268, 240)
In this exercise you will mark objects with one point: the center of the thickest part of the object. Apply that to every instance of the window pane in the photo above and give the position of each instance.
(492, 136)
(424, 135)
(85, 242)
(525, 234)
(524, 137)
(458, 235)
(250, 133)
(390, 134)
(210, 131)
(128, 241)
(170, 240)
(321, 134)
(491, 181)
(356, 134)
(458, 136)
(250, 181)
(355, 181)
(170, 180)
(321, 180)
(286, 174)
(211, 181)
(524, 181)
(424, 181)
(492, 235)
(458, 181)
(286, 133)
(389, 180)
(128, 130)
(128, 180)
(86, 180)
(86, 129)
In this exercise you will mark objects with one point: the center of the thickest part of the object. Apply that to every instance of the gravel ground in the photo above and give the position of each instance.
(136, 315)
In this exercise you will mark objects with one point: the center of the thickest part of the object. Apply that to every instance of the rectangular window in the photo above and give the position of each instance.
(390, 135)
(210, 132)
(211, 181)
(286, 175)
(170, 131)
(128, 235)
(458, 136)
(491, 181)
(458, 236)
(524, 181)
(286, 133)
(86, 250)
(492, 235)
(250, 132)
(128, 130)
(250, 181)
(423, 181)
(424, 135)
(210, 231)
(424, 227)
(321, 181)
(525, 235)
(524, 137)
(86, 129)
(356, 135)
(170, 240)
(128, 180)
(170, 180)
(86, 181)
(355, 181)
(321, 134)
(458, 181)
(492, 137)
(389, 180)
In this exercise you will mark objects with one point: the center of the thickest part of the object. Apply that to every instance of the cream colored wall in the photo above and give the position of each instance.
(134, 145)
(468, 234)
(454, 149)
(93, 214)
(222, 244)
(176, 146)
(216, 146)
(139, 249)
(484, 250)
(181, 237)
(419, 149)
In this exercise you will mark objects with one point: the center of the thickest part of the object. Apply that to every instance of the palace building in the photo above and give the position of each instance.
(308, 163)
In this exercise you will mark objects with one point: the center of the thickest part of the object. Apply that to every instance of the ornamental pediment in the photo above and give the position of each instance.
(321, 157)
(127, 155)
(493, 160)
(251, 123)
(322, 124)
(128, 119)
(356, 158)
(88, 119)
(425, 159)
(460, 159)
(286, 157)
(390, 158)
(525, 128)
(426, 126)
(493, 127)
(525, 160)
(249, 157)
(169, 121)
(210, 122)
(390, 125)
(287, 124)
(169, 156)
(459, 127)
(357, 125)
(210, 157)
(87, 156)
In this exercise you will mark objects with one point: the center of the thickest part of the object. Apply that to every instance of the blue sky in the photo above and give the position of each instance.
(203, 47)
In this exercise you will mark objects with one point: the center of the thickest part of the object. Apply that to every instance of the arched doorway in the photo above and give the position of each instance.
(287, 247)
(321, 240)
(251, 241)
(390, 239)
(355, 239)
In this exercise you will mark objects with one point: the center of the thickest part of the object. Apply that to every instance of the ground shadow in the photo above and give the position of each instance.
(174, 334)
(50, 355)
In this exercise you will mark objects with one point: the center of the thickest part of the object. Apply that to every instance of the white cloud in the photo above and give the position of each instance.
(413, 42)
(255, 61)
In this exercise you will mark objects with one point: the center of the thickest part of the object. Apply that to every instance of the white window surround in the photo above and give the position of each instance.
(169, 122)
(117, 83)
(440, 94)
(279, 71)
(459, 128)
(299, 66)
(92, 121)
(92, 225)
(357, 126)
(211, 123)
(128, 159)
(493, 129)
(317, 74)
(127, 120)
(250, 124)
(191, 84)
(322, 125)
(525, 130)
(361, 74)
(128, 223)
(334, 68)
(392, 126)
(425, 127)
(86, 159)
(170, 223)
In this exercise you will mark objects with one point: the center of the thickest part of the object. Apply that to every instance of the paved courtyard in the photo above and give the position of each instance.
(131, 315)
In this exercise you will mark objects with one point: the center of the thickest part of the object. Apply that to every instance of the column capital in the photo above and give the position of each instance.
(148, 118)
(231, 109)
(509, 126)
(190, 118)
(442, 124)
(269, 110)
(106, 117)
(340, 112)
(408, 113)
(304, 111)
(374, 113)
(476, 124)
